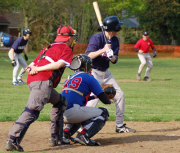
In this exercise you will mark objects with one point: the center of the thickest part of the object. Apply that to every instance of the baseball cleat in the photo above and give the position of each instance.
(52, 142)
(124, 129)
(15, 83)
(10, 146)
(146, 79)
(21, 81)
(138, 77)
(84, 140)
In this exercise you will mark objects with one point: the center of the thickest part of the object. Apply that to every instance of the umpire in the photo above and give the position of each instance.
(101, 54)
(44, 75)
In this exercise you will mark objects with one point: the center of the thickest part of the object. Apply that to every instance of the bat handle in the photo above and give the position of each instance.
(104, 34)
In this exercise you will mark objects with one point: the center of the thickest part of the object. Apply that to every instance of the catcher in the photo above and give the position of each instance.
(77, 89)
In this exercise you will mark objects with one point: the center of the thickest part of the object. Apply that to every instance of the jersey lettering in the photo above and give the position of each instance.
(75, 83)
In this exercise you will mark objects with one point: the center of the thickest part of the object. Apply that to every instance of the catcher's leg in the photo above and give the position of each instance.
(70, 129)
(56, 127)
(92, 127)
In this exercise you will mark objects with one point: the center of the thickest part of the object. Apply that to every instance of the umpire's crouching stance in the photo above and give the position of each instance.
(44, 75)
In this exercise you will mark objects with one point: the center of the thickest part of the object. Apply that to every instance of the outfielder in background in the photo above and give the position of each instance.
(77, 89)
(44, 75)
(15, 55)
(142, 47)
(101, 54)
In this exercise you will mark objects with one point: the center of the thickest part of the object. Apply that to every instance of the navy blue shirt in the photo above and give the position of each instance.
(97, 42)
(19, 45)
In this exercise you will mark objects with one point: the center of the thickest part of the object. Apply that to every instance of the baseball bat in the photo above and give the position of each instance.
(99, 18)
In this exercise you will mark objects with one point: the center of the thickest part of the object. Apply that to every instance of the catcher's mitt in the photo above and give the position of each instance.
(109, 90)
(154, 54)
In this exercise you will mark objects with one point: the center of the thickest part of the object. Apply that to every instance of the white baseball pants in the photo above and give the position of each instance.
(145, 58)
(107, 78)
(19, 61)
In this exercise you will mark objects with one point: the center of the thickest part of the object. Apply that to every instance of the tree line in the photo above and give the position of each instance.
(159, 17)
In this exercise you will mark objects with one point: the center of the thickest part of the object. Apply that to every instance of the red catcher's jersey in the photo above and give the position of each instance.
(144, 45)
(57, 52)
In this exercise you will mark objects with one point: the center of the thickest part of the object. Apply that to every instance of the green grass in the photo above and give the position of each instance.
(158, 100)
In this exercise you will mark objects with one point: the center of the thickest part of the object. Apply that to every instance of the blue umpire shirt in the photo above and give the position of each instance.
(97, 42)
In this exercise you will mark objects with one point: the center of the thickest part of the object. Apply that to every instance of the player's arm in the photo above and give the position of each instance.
(104, 98)
(49, 67)
(137, 46)
(97, 53)
(12, 53)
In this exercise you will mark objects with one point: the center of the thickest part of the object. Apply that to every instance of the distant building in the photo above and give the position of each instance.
(131, 23)
(11, 23)
(4, 24)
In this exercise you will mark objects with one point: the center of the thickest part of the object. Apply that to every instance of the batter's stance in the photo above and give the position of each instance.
(101, 54)
(77, 89)
(44, 75)
(142, 47)
(15, 55)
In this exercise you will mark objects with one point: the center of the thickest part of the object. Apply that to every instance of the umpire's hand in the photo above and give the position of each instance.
(13, 63)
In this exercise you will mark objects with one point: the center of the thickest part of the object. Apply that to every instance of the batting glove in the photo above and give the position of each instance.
(109, 53)
(13, 63)
(25, 56)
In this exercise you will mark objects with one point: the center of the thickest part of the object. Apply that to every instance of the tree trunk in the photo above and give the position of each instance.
(26, 49)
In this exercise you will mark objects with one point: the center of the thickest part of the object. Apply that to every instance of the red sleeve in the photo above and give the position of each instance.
(138, 44)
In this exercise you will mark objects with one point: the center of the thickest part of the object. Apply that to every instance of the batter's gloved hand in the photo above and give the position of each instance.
(154, 54)
(13, 63)
(109, 90)
(109, 53)
(25, 56)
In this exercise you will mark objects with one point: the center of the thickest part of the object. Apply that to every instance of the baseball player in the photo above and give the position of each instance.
(77, 89)
(15, 55)
(101, 54)
(142, 47)
(44, 75)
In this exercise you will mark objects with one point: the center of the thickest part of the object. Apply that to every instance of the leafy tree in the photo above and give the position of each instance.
(161, 20)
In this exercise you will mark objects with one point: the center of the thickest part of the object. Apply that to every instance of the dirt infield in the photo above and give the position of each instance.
(151, 137)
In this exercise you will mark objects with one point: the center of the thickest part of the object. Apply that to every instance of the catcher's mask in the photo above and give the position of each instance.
(63, 33)
(81, 63)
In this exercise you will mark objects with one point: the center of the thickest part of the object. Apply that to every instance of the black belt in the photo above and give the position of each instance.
(100, 69)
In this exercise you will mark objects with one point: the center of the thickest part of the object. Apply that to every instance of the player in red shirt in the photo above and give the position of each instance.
(142, 47)
(44, 75)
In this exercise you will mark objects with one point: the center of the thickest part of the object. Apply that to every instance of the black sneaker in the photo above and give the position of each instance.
(10, 146)
(146, 79)
(84, 140)
(124, 129)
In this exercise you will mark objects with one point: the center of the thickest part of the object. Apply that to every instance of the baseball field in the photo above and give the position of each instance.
(152, 108)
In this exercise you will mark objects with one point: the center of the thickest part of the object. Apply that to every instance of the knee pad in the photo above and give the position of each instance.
(35, 115)
(95, 124)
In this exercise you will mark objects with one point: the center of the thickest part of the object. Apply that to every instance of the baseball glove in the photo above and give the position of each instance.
(154, 54)
(109, 90)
